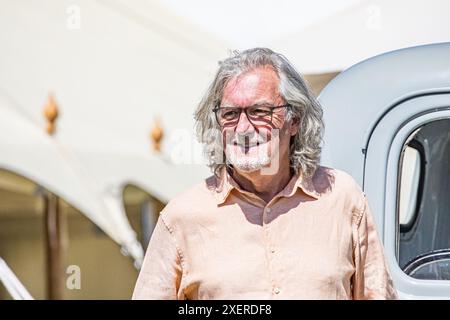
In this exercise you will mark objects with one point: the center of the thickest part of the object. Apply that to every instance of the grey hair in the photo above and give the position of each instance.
(305, 147)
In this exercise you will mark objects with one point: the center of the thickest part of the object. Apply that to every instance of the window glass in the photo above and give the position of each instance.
(410, 173)
(424, 201)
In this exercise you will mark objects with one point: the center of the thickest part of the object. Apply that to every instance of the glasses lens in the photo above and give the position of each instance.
(228, 116)
(260, 114)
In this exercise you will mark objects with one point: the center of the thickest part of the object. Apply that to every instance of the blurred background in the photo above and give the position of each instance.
(96, 116)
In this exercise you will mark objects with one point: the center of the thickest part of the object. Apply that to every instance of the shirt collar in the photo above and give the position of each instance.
(225, 184)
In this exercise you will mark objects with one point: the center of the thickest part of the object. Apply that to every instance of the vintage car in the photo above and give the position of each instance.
(387, 123)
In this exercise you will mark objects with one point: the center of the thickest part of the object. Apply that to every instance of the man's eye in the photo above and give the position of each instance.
(231, 114)
(260, 112)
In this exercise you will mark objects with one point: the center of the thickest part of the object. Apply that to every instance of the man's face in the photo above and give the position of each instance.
(252, 145)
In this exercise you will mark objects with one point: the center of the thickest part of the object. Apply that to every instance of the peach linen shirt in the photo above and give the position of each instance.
(315, 239)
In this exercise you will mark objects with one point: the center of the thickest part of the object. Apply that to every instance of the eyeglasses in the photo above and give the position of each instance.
(257, 115)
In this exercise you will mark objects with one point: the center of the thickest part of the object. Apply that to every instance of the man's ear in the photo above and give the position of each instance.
(295, 126)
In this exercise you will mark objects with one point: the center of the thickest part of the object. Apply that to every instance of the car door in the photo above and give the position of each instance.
(407, 178)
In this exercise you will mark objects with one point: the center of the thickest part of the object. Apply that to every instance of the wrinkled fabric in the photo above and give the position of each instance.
(316, 239)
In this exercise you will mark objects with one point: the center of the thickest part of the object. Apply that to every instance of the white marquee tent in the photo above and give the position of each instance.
(115, 65)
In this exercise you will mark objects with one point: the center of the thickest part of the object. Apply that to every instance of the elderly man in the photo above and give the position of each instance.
(271, 223)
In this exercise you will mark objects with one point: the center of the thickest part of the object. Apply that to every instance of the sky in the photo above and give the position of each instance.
(244, 23)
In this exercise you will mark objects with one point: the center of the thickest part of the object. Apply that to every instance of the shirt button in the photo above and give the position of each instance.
(268, 210)
(273, 250)
(276, 290)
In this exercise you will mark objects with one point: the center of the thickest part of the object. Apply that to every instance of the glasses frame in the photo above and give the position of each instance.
(272, 108)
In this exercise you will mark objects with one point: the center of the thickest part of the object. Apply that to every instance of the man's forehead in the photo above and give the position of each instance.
(252, 87)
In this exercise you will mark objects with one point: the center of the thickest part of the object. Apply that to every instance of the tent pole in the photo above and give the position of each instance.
(55, 276)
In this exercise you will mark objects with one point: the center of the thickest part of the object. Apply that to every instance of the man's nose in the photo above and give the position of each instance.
(244, 125)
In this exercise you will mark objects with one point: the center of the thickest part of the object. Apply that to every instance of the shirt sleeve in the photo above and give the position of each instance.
(372, 279)
(161, 272)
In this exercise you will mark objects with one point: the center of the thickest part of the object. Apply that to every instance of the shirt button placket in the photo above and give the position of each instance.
(267, 211)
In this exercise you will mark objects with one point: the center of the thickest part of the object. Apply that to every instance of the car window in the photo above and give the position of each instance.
(423, 210)
(410, 174)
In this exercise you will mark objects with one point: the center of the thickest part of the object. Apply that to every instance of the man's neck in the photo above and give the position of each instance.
(264, 186)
